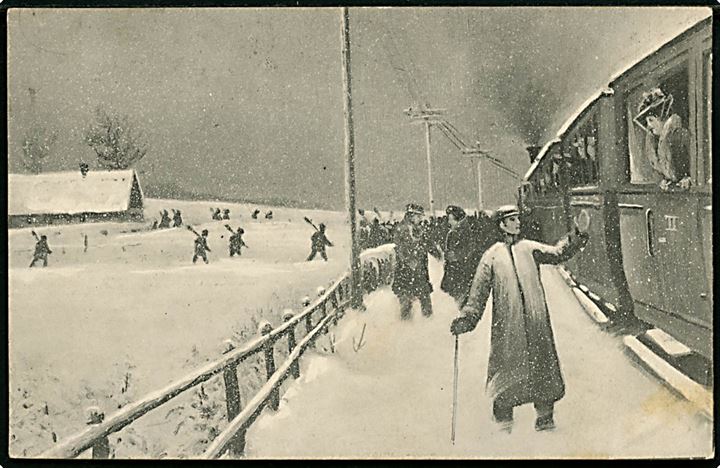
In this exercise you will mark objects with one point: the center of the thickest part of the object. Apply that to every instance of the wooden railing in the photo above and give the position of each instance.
(377, 266)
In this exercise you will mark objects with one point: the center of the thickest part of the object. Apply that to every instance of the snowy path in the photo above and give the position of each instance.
(393, 397)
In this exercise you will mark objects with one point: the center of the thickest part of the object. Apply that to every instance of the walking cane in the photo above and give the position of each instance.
(455, 386)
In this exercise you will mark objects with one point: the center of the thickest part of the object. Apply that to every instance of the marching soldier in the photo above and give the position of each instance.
(201, 246)
(269, 215)
(216, 214)
(236, 240)
(319, 242)
(164, 219)
(255, 213)
(226, 214)
(177, 218)
(41, 250)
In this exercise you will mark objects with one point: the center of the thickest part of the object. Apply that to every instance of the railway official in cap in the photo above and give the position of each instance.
(523, 366)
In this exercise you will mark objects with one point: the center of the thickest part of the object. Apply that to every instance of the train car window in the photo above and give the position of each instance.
(658, 135)
(583, 155)
(707, 117)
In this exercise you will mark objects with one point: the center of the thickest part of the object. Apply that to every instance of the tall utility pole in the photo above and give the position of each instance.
(355, 273)
(479, 184)
(429, 169)
(428, 117)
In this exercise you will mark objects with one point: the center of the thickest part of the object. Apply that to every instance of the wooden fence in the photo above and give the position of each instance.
(376, 265)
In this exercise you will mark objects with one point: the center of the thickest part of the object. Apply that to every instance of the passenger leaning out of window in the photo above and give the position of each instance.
(667, 141)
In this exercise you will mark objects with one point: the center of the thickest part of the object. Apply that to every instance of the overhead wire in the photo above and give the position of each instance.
(448, 129)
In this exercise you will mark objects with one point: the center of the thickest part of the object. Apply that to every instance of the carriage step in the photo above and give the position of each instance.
(669, 345)
(590, 307)
(699, 395)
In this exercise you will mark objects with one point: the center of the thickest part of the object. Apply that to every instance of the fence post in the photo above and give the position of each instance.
(236, 447)
(295, 368)
(101, 447)
(265, 329)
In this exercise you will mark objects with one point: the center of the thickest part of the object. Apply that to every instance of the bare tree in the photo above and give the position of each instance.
(36, 147)
(116, 140)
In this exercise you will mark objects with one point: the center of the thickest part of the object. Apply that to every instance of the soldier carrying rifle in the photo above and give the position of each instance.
(41, 250)
(201, 246)
(319, 241)
(236, 240)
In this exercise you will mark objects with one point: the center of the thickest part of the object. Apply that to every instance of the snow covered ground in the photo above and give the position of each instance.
(133, 313)
(393, 397)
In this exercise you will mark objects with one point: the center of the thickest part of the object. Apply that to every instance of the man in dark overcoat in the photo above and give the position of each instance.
(523, 365)
(462, 255)
(411, 279)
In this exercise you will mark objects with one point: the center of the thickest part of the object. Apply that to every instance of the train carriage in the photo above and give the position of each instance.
(636, 162)
(663, 164)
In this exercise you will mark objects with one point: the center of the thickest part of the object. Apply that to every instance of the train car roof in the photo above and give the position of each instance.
(679, 38)
(581, 110)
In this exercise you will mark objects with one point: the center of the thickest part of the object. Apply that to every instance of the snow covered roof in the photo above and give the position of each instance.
(622, 70)
(70, 192)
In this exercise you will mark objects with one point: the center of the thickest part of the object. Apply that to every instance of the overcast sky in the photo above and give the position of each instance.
(247, 103)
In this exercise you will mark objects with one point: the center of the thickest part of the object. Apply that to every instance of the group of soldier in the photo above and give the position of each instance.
(166, 221)
(256, 213)
(201, 247)
(218, 216)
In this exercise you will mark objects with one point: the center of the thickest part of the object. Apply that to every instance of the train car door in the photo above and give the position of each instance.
(679, 249)
(638, 233)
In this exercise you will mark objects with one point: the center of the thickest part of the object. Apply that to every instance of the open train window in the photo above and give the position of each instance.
(581, 156)
(658, 135)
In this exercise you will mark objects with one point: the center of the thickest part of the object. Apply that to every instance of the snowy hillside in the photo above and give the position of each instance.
(132, 313)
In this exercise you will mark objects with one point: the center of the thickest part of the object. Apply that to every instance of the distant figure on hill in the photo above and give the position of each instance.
(255, 213)
(236, 240)
(84, 169)
(177, 218)
(164, 219)
(319, 241)
(268, 215)
(41, 250)
(154, 224)
(226, 214)
(216, 215)
(201, 246)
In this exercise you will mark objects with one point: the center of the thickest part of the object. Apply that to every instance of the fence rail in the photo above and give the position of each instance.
(376, 265)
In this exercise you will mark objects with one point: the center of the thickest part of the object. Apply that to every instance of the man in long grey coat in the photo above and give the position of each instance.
(523, 365)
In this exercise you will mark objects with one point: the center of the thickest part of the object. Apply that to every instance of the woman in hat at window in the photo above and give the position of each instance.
(667, 141)
(523, 365)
